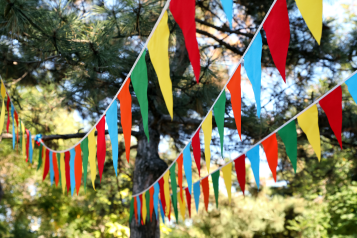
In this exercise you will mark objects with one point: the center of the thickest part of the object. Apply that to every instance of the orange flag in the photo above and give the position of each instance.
(78, 167)
(151, 191)
(125, 114)
(235, 90)
(55, 168)
(205, 190)
(271, 150)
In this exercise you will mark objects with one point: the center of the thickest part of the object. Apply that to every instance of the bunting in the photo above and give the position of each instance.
(8, 113)
(227, 171)
(289, 137)
(71, 171)
(101, 148)
(63, 173)
(179, 162)
(215, 178)
(352, 87)
(308, 121)
(196, 193)
(253, 67)
(156, 199)
(188, 200)
(68, 170)
(158, 48)
(174, 187)
(52, 171)
(112, 118)
(196, 147)
(239, 164)
(47, 164)
(234, 87)
(254, 158)
(85, 152)
(167, 191)
(78, 167)
(207, 132)
(270, 146)
(91, 156)
(228, 10)
(187, 165)
(13, 126)
(182, 205)
(219, 111)
(151, 193)
(55, 168)
(205, 190)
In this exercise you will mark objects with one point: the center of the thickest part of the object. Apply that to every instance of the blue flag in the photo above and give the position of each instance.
(228, 10)
(196, 193)
(71, 170)
(352, 87)
(187, 165)
(52, 172)
(112, 121)
(253, 156)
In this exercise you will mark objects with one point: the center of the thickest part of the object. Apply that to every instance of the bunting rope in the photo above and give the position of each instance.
(218, 97)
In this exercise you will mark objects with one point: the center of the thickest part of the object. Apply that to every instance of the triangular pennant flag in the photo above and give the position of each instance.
(162, 193)
(59, 168)
(23, 141)
(309, 123)
(63, 172)
(55, 168)
(101, 148)
(125, 116)
(253, 67)
(207, 132)
(196, 147)
(112, 122)
(68, 170)
(143, 206)
(311, 11)
(156, 199)
(52, 171)
(289, 137)
(179, 173)
(92, 155)
(131, 210)
(332, 105)
(85, 152)
(71, 171)
(2, 116)
(187, 165)
(253, 156)
(351, 84)
(159, 49)
(147, 203)
(78, 167)
(30, 146)
(13, 126)
(40, 154)
(196, 194)
(138, 204)
(219, 111)
(17, 125)
(228, 10)
(8, 113)
(239, 164)
(183, 12)
(46, 167)
(175, 208)
(20, 132)
(188, 199)
(234, 88)
(162, 212)
(277, 30)
(174, 187)
(205, 190)
(227, 171)
(182, 206)
(151, 205)
(167, 191)
(139, 79)
(215, 177)
(270, 146)
(136, 209)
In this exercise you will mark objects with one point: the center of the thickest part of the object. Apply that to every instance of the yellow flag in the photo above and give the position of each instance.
(3, 90)
(144, 211)
(63, 173)
(92, 155)
(311, 11)
(2, 116)
(182, 205)
(23, 141)
(227, 171)
(159, 54)
(207, 132)
(308, 121)
(167, 192)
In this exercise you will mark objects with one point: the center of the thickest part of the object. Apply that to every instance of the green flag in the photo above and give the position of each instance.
(85, 151)
(40, 152)
(289, 138)
(131, 209)
(219, 111)
(147, 196)
(215, 177)
(174, 189)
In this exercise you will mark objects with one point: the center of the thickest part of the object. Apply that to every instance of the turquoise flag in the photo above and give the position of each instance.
(13, 126)
(156, 199)
(52, 172)
(253, 67)
(196, 193)
(112, 121)
(254, 159)
(138, 205)
(187, 165)
(352, 87)
(71, 170)
(30, 146)
(228, 10)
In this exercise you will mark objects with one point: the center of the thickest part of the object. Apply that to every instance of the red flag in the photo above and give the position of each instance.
(179, 174)
(151, 191)
(239, 164)
(332, 106)
(78, 167)
(234, 88)
(162, 194)
(277, 30)
(17, 127)
(101, 148)
(67, 168)
(8, 114)
(188, 199)
(141, 208)
(271, 150)
(183, 12)
(27, 144)
(47, 164)
(125, 114)
(55, 167)
(196, 146)
(205, 190)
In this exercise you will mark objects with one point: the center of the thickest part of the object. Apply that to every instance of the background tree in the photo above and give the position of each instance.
(77, 53)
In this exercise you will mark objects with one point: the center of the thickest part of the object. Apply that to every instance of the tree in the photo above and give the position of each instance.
(84, 50)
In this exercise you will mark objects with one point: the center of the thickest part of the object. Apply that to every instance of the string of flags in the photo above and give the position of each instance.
(65, 167)
(331, 104)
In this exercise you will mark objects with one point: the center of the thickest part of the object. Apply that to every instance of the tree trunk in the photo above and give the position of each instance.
(148, 168)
